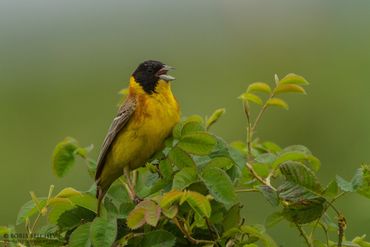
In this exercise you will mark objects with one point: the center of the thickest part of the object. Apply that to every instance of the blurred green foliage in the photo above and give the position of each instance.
(62, 63)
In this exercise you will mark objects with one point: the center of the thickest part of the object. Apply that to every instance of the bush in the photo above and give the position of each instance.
(189, 190)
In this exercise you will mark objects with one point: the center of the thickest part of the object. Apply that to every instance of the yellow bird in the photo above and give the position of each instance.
(143, 122)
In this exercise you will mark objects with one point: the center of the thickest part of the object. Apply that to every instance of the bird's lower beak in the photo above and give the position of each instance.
(162, 73)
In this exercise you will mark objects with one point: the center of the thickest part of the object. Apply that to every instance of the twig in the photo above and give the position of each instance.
(304, 235)
(188, 236)
(246, 190)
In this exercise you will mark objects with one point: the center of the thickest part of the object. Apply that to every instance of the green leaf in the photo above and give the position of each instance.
(259, 87)
(80, 237)
(28, 210)
(200, 143)
(103, 232)
(85, 200)
(170, 212)
(152, 212)
(221, 162)
(232, 218)
(304, 213)
(214, 117)
(289, 88)
(299, 174)
(192, 127)
(166, 169)
(273, 219)
(68, 192)
(64, 156)
(277, 102)
(180, 158)
(195, 123)
(300, 193)
(57, 209)
(360, 182)
(344, 185)
(158, 238)
(136, 218)
(294, 79)
(251, 98)
(125, 209)
(361, 241)
(184, 178)
(170, 197)
(296, 156)
(219, 185)
(270, 195)
(74, 217)
(198, 202)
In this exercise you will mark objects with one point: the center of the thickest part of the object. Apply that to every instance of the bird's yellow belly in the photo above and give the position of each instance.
(142, 136)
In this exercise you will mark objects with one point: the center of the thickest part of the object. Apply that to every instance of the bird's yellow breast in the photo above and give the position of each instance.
(152, 121)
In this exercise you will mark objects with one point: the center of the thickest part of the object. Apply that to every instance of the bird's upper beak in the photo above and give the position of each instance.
(162, 73)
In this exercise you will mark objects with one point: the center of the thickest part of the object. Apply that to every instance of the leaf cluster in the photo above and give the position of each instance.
(190, 190)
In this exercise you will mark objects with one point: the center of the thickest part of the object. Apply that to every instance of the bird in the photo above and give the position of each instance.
(143, 122)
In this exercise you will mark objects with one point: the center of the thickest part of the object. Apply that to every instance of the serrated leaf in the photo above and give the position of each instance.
(221, 162)
(303, 214)
(184, 178)
(259, 87)
(289, 88)
(200, 143)
(214, 117)
(80, 237)
(158, 238)
(103, 232)
(363, 187)
(74, 217)
(250, 97)
(136, 218)
(170, 212)
(297, 156)
(152, 212)
(270, 195)
(294, 79)
(273, 219)
(299, 174)
(219, 185)
(170, 197)
(28, 210)
(300, 193)
(68, 192)
(180, 158)
(277, 102)
(64, 156)
(85, 200)
(198, 202)
(344, 184)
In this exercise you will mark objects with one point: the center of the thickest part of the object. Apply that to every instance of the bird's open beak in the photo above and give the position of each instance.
(162, 73)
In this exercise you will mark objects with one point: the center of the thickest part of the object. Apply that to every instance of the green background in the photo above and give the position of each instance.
(63, 62)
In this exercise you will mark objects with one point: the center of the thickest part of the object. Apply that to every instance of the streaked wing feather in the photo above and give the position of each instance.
(123, 115)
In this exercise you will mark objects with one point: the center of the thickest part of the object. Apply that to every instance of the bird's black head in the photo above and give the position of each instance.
(149, 72)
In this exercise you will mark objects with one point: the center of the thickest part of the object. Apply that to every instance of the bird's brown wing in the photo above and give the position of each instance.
(123, 115)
